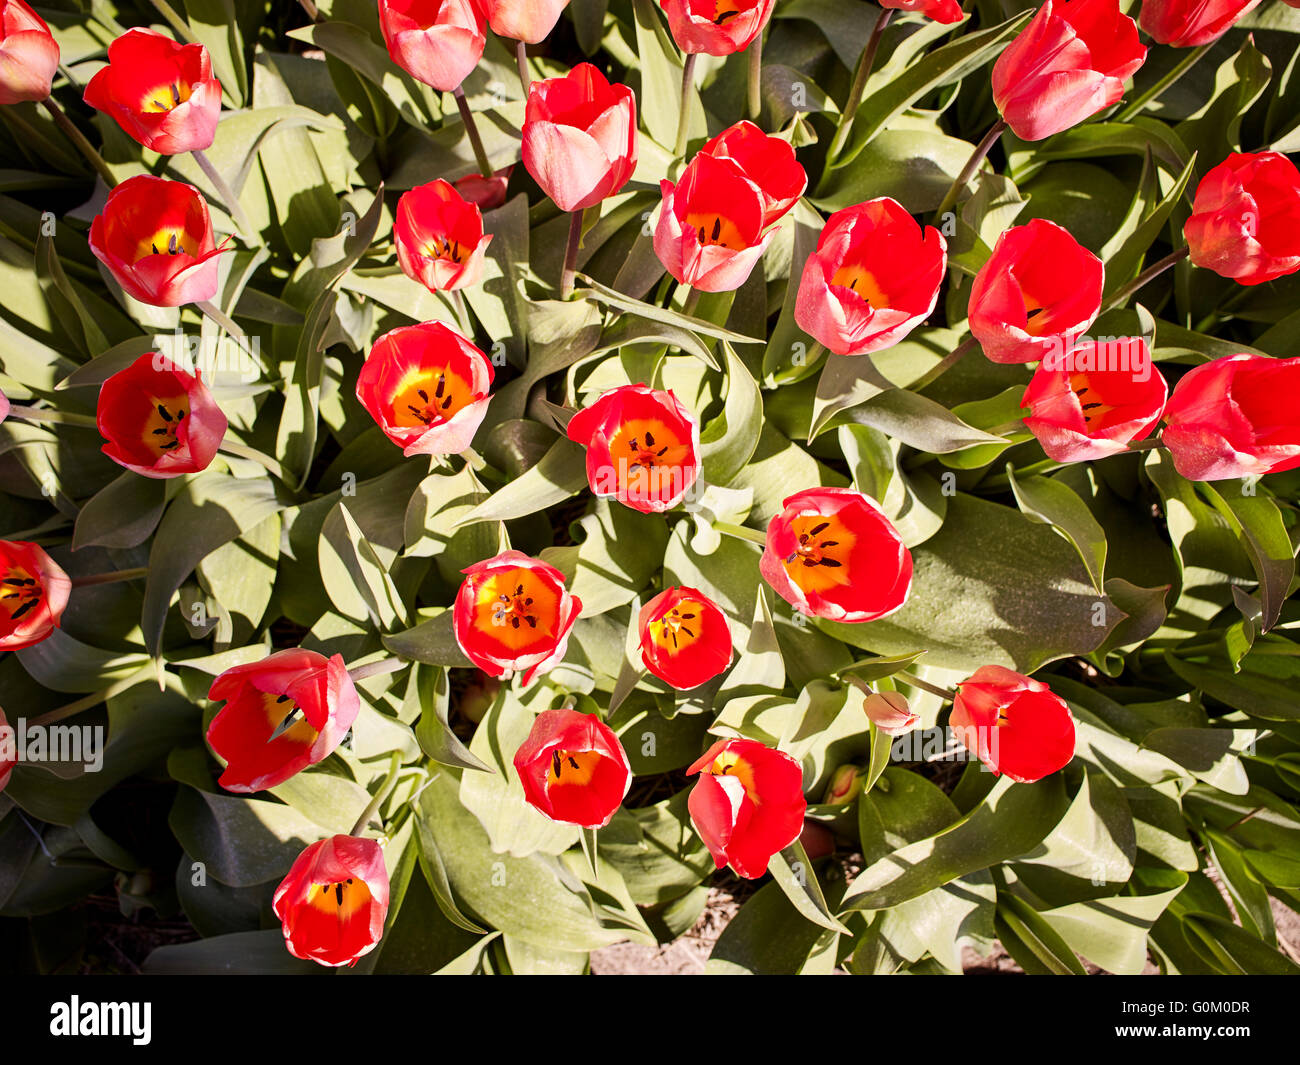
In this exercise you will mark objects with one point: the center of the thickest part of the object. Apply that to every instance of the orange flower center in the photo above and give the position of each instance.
(730, 764)
(165, 97)
(817, 563)
(166, 240)
(286, 719)
(862, 282)
(517, 607)
(572, 767)
(724, 10)
(1035, 320)
(20, 591)
(159, 433)
(680, 627)
(646, 452)
(346, 898)
(1094, 411)
(430, 397)
(448, 249)
(714, 229)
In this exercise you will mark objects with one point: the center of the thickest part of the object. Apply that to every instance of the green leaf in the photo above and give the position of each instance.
(561, 473)
(728, 442)
(793, 871)
(1054, 503)
(432, 642)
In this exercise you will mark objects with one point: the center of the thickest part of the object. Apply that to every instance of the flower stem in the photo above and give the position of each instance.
(1121, 294)
(224, 321)
(860, 76)
(1152, 94)
(756, 77)
(313, 12)
(243, 451)
(943, 366)
(741, 533)
(44, 414)
(916, 682)
(521, 57)
(471, 128)
(372, 808)
(462, 314)
(375, 669)
(174, 20)
(691, 302)
(684, 115)
(571, 254)
(79, 140)
(1149, 444)
(111, 577)
(972, 165)
(227, 194)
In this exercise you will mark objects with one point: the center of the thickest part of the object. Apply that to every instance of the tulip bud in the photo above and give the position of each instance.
(29, 56)
(530, 21)
(1014, 724)
(438, 42)
(1191, 23)
(817, 841)
(486, 193)
(716, 27)
(945, 11)
(333, 904)
(845, 785)
(34, 591)
(891, 712)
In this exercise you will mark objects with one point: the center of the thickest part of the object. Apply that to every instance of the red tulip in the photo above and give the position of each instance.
(530, 21)
(573, 768)
(945, 11)
(716, 27)
(643, 447)
(874, 277)
(711, 230)
(8, 751)
(29, 56)
(155, 237)
(1070, 62)
(33, 593)
(748, 804)
(438, 42)
(685, 637)
(161, 93)
(486, 193)
(282, 714)
(427, 387)
(766, 161)
(579, 138)
(1037, 293)
(890, 712)
(1191, 23)
(514, 613)
(333, 904)
(439, 237)
(159, 420)
(1235, 417)
(831, 553)
(1245, 221)
(1013, 724)
(1095, 400)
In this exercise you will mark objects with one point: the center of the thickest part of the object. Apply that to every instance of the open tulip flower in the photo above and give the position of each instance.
(530, 21)
(1245, 221)
(1191, 23)
(747, 805)
(1095, 400)
(573, 768)
(159, 420)
(874, 277)
(439, 237)
(161, 93)
(1070, 62)
(29, 56)
(579, 137)
(1235, 417)
(1013, 724)
(427, 387)
(513, 614)
(438, 42)
(155, 237)
(716, 27)
(333, 904)
(34, 591)
(832, 553)
(945, 11)
(685, 637)
(767, 161)
(643, 447)
(282, 714)
(1037, 293)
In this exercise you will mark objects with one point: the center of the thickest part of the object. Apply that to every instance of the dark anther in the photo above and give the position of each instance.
(649, 439)
(532, 621)
(555, 763)
(282, 699)
(832, 563)
(172, 246)
(22, 610)
(514, 622)
(442, 384)
(819, 529)
(176, 96)
(163, 411)
(338, 893)
(717, 228)
(422, 394)
(724, 16)
(574, 762)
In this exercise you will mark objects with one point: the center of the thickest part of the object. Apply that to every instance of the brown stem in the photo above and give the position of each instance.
(571, 254)
(860, 76)
(943, 366)
(972, 164)
(79, 140)
(684, 115)
(471, 128)
(1118, 297)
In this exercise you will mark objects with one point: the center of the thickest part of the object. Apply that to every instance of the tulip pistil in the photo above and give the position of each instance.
(510, 609)
(813, 551)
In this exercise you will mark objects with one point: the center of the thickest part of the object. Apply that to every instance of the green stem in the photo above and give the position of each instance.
(243, 451)
(521, 58)
(174, 20)
(756, 77)
(1121, 294)
(471, 128)
(42, 414)
(1149, 444)
(480, 465)
(228, 198)
(860, 76)
(224, 321)
(571, 254)
(684, 114)
(372, 808)
(741, 533)
(462, 314)
(375, 669)
(925, 686)
(972, 164)
(1152, 94)
(943, 365)
(691, 302)
(112, 577)
(79, 141)
(92, 700)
